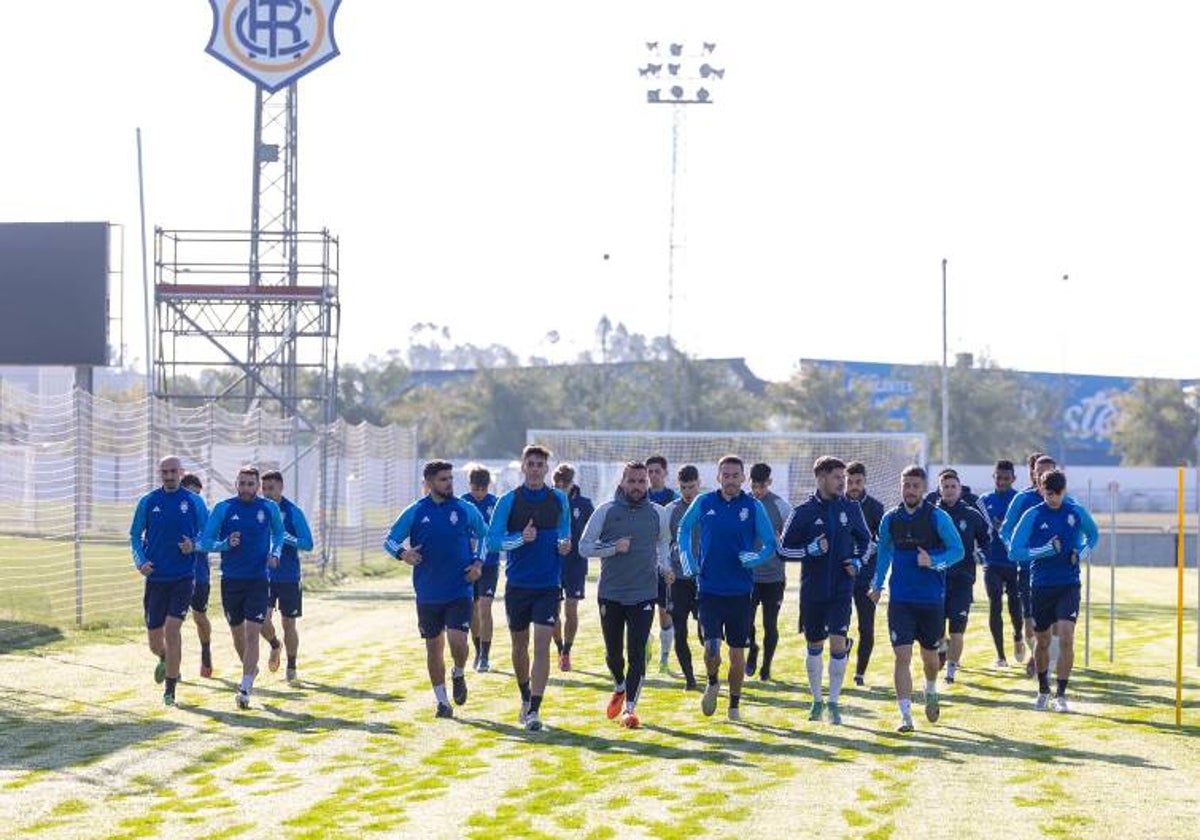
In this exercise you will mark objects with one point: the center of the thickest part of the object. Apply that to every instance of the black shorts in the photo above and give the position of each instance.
(726, 617)
(489, 579)
(574, 578)
(1024, 590)
(432, 619)
(530, 606)
(683, 597)
(167, 598)
(200, 593)
(908, 623)
(768, 593)
(823, 619)
(288, 598)
(959, 595)
(998, 579)
(1053, 604)
(245, 600)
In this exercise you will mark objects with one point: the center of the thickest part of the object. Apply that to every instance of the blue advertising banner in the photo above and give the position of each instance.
(1084, 435)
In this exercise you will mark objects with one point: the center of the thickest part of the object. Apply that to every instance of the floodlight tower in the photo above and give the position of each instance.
(691, 76)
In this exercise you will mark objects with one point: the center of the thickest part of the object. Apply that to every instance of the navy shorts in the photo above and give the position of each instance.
(200, 594)
(959, 595)
(245, 600)
(288, 598)
(432, 619)
(726, 617)
(823, 619)
(523, 607)
(168, 598)
(1055, 603)
(908, 623)
(489, 579)
(1024, 591)
(683, 598)
(574, 578)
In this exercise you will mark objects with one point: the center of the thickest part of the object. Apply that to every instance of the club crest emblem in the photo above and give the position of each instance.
(262, 517)
(744, 514)
(273, 42)
(183, 507)
(453, 517)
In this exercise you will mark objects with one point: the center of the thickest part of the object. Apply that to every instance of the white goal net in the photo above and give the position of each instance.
(598, 456)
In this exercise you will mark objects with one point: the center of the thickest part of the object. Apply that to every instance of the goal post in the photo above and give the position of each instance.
(598, 456)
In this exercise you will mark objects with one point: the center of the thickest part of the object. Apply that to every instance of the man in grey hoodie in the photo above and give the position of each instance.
(632, 537)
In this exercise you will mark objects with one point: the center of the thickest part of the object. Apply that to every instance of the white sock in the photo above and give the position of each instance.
(619, 688)
(247, 683)
(667, 638)
(439, 691)
(630, 705)
(837, 675)
(931, 686)
(815, 665)
(905, 707)
(456, 671)
(951, 669)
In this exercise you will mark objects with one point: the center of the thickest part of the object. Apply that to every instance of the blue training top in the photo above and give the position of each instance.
(535, 565)
(297, 537)
(260, 524)
(1033, 543)
(662, 497)
(910, 583)
(996, 505)
(442, 531)
(729, 530)
(161, 520)
(839, 521)
(486, 507)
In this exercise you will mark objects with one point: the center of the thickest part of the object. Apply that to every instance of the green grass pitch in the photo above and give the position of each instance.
(87, 749)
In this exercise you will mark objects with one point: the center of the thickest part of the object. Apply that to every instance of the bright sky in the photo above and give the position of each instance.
(477, 159)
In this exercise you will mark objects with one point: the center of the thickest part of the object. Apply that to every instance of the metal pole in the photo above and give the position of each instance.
(672, 376)
(1112, 569)
(1179, 563)
(146, 290)
(945, 376)
(1087, 599)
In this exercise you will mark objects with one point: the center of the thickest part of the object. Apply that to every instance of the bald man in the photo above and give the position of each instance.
(166, 525)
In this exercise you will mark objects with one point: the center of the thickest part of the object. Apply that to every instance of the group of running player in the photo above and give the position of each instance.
(259, 534)
(717, 557)
(713, 557)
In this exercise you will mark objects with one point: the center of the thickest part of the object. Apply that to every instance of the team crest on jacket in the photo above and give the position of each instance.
(183, 506)
(489, 511)
(1071, 519)
(843, 518)
(262, 517)
(744, 514)
(576, 513)
(453, 517)
(962, 525)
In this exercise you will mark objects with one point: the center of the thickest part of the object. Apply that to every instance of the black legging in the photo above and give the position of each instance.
(615, 617)
(1001, 583)
(683, 609)
(770, 595)
(864, 608)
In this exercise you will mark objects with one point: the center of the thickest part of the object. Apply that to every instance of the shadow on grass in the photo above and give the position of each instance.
(269, 717)
(35, 739)
(25, 635)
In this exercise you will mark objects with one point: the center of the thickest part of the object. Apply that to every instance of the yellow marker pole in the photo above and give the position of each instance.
(1179, 613)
